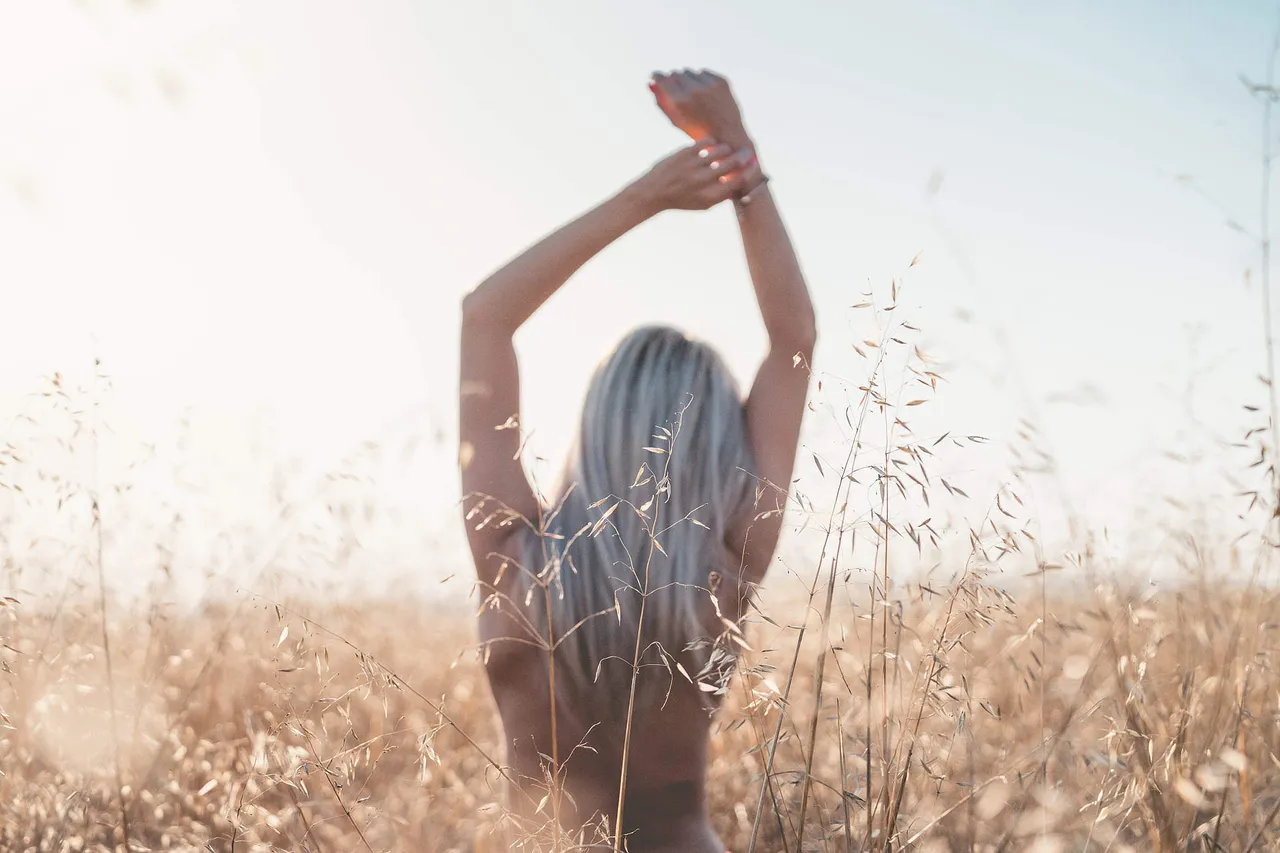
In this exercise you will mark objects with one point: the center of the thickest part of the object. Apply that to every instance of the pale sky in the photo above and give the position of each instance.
(269, 211)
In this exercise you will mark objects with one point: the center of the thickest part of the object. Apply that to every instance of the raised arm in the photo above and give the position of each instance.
(493, 477)
(776, 402)
(701, 102)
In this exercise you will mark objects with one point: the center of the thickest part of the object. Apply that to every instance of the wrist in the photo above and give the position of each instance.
(751, 162)
(753, 194)
(738, 138)
(640, 199)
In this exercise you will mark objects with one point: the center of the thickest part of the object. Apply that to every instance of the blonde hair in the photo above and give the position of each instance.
(662, 451)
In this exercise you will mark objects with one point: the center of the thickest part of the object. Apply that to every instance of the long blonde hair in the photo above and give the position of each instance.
(660, 466)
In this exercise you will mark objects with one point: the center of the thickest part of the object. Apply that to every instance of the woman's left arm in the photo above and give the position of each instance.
(701, 102)
(776, 403)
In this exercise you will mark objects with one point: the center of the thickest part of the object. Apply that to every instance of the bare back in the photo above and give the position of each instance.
(665, 808)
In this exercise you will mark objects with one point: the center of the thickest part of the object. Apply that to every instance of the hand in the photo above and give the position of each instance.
(701, 104)
(697, 178)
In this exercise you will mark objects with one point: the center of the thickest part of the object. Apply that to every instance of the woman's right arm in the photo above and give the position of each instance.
(493, 477)
(489, 387)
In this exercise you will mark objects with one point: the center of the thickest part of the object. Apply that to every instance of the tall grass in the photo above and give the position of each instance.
(1159, 729)
(999, 701)
(893, 695)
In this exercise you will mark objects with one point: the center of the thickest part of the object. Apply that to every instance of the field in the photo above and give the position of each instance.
(988, 697)
(219, 633)
(1112, 720)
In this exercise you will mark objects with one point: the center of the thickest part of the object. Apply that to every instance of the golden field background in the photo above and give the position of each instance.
(1114, 719)
(915, 682)
(205, 651)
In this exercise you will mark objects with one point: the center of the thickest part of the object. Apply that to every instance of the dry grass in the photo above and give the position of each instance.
(971, 707)
(1158, 729)
(975, 706)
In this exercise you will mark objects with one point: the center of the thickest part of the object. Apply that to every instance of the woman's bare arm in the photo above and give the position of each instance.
(694, 178)
(775, 406)
(701, 102)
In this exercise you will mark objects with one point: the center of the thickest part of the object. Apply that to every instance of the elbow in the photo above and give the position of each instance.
(479, 314)
(809, 338)
(472, 308)
(797, 340)
(803, 337)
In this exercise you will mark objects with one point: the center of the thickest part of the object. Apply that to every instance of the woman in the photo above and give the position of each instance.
(611, 612)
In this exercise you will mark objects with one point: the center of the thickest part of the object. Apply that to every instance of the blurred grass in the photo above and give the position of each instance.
(985, 697)
(1159, 711)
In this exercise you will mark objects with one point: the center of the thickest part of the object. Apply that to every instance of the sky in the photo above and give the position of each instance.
(262, 216)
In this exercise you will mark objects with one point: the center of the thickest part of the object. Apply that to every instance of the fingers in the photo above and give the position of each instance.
(658, 85)
(721, 168)
(704, 174)
(733, 183)
(743, 171)
(663, 88)
(703, 77)
(690, 83)
(722, 189)
(709, 149)
(743, 161)
(675, 85)
(683, 82)
(718, 160)
(722, 164)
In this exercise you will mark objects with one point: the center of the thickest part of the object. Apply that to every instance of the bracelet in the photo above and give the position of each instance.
(741, 202)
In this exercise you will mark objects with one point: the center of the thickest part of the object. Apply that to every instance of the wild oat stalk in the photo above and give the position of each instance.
(557, 787)
(846, 470)
(1267, 94)
(334, 787)
(817, 682)
(96, 510)
(399, 682)
(662, 483)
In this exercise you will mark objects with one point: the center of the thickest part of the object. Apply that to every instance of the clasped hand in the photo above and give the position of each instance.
(721, 164)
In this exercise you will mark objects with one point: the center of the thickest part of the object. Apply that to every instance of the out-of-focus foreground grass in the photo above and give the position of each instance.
(1001, 700)
(1112, 720)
